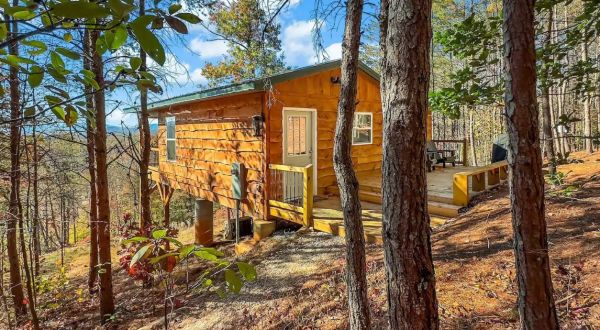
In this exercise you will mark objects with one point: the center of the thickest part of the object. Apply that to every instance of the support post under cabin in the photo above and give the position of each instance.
(203, 222)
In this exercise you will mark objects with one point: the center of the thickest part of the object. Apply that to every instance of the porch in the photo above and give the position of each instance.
(449, 190)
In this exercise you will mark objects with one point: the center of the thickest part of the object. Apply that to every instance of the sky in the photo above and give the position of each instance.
(186, 57)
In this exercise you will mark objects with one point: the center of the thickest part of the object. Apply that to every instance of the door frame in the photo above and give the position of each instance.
(313, 112)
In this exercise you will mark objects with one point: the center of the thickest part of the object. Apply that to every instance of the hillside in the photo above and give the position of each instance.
(301, 273)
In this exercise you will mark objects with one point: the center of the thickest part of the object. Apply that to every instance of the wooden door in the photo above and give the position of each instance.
(298, 148)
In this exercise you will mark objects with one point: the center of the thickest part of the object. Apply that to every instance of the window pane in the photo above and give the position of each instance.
(361, 136)
(170, 149)
(170, 127)
(362, 120)
(362, 129)
(296, 135)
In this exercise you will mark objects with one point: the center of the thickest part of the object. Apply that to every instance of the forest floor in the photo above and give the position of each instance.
(301, 274)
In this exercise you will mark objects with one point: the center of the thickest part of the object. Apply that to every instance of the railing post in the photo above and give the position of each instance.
(307, 197)
(460, 189)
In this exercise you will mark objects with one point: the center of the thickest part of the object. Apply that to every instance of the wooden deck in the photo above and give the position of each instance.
(328, 217)
(449, 190)
(439, 182)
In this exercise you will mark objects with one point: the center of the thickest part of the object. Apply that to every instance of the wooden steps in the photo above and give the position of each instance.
(439, 205)
(372, 228)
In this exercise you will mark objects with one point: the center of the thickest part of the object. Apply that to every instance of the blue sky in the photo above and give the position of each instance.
(188, 55)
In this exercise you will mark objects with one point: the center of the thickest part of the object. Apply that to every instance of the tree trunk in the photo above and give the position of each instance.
(472, 138)
(28, 278)
(107, 304)
(356, 278)
(587, 117)
(14, 215)
(145, 216)
(412, 302)
(36, 204)
(546, 110)
(535, 300)
(90, 135)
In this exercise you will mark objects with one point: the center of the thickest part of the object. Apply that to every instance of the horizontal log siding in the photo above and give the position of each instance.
(316, 91)
(210, 136)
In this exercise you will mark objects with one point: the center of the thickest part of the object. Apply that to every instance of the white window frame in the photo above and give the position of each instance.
(167, 139)
(356, 114)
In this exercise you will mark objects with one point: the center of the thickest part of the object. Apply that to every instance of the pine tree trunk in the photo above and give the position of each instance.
(107, 304)
(356, 280)
(145, 216)
(535, 299)
(412, 302)
(14, 215)
(546, 111)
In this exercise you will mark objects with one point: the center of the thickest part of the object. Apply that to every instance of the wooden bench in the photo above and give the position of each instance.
(494, 173)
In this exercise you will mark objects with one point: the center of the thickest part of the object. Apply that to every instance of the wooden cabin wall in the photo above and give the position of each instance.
(318, 92)
(210, 136)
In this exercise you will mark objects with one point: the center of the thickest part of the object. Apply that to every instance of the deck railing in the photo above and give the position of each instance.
(481, 179)
(291, 193)
(458, 146)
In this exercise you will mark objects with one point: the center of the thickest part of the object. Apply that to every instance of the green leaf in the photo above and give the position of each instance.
(142, 21)
(177, 25)
(79, 9)
(212, 251)
(39, 47)
(247, 270)
(24, 15)
(186, 251)
(161, 257)
(234, 284)
(36, 74)
(3, 31)
(174, 8)
(68, 53)
(174, 241)
(119, 8)
(206, 256)
(71, 115)
(57, 61)
(189, 17)
(135, 63)
(59, 112)
(53, 100)
(101, 46)
(68, 37)
(11, 60)
(141, 253)
(119, 38)
(159, 233)
(149, 43)
(46, 20)
(57, 75)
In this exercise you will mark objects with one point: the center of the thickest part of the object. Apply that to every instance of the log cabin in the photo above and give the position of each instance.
(267, 143)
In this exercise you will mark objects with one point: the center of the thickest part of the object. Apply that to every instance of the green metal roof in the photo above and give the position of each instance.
(253, 85)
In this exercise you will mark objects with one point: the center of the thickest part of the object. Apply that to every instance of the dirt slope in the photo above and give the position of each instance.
(301, 284)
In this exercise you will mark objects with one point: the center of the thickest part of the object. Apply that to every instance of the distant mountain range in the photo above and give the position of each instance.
(118, 129)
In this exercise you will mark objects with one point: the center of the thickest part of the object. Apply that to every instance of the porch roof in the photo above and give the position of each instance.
(253, 85)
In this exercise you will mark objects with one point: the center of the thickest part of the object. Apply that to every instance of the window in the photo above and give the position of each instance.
(296, 135)
(170, 121)
(362, 130)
